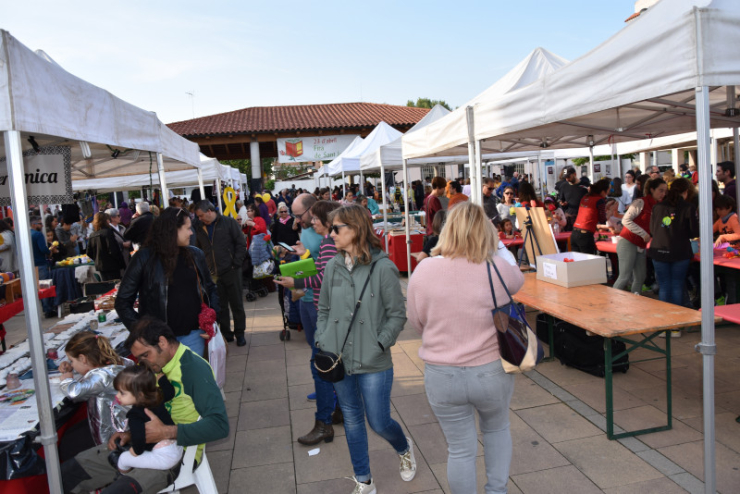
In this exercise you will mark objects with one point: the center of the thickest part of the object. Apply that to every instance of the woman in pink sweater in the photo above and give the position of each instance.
(463, 369)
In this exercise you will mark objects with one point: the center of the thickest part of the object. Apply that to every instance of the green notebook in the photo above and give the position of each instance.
(299, 269)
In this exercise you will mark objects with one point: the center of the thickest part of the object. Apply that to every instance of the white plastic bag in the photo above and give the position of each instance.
(217, 356)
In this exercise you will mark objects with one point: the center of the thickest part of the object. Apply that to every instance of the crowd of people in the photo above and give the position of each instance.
(183, 263)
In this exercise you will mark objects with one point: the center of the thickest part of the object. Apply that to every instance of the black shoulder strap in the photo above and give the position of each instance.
(357, 306)
(490, 282)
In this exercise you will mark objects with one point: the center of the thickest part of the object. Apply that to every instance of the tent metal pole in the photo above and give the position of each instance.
(406, 215)
(163, 181)
(200, 185)
(478, 176)
(471, 153)
(48, 437)
(540, 175)
(385, 204)
(591, 163)
(218, 196)
(344, 188)
(707, 346)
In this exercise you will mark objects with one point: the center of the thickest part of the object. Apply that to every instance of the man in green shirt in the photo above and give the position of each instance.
(152, 342)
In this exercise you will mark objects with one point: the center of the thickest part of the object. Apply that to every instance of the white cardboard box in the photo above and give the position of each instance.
(585, 270)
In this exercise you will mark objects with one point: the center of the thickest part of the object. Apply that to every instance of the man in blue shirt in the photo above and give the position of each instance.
(40, 254)
(311, 240)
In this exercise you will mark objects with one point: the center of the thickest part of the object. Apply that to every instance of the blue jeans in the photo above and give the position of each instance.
(324, 390)
(45, 274)
(194, 341)
(455, 394)
(671, 280)
(361, 394)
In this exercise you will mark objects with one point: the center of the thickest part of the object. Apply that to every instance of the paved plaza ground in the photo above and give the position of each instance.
(557, 422)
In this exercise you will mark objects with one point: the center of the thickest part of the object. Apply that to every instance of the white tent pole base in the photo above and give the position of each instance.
(32, 311)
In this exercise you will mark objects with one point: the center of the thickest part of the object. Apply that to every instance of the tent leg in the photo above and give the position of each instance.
(201, 188)
(48, 437)
(344, 188)
(163, 181)
(385, 204)
(218, 196)
(406, 213)
(707, 346)
(472, 155)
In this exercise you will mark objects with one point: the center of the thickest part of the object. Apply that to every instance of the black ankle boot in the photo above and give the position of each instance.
(321, 432)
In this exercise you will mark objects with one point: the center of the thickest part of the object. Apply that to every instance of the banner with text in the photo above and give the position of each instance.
(318, 148)
(48, 176)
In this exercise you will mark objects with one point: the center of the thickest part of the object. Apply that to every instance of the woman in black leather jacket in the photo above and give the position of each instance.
(170, 278)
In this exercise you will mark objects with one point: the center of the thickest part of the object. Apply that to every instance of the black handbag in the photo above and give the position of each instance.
(518, 345)
(329, 364)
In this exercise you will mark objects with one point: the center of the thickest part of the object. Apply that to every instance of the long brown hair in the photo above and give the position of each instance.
(140, 382)
(100, 220)
(357, 219)
(96, 348)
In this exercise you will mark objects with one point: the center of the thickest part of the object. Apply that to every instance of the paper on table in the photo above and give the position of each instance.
(549, 270)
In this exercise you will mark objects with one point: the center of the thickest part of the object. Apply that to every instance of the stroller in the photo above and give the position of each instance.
(258, 265)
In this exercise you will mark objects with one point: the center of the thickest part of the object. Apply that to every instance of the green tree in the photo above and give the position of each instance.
(428, 103)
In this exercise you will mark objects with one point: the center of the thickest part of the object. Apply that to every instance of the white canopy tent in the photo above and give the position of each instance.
(39, 99)
(672, 70)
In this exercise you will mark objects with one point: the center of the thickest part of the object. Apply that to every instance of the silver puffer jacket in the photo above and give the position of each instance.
(103, 412)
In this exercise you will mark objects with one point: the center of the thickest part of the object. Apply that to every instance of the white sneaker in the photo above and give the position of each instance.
(408, 463)
(363, 488)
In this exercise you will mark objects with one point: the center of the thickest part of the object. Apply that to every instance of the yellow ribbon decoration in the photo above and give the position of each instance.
(229, 198)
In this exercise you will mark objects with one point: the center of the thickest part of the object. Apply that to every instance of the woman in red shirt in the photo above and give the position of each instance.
(591, 212)
(254, 224)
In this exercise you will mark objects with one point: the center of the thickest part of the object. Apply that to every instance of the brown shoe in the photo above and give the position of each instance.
(321, 432)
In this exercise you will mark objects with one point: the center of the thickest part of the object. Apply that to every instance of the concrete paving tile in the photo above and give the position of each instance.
(220, 463)
(266, 479)
(594, 395)
(727, 431)
(440, 473)
(684, 406)
(332, 462)
(264, 413)
(227, 443)
(384, 466)
(233, 350)
(299, 374)
(297, 356)
(414, 409)
(690, 456)
(266, 352)
(233, 401)
(430, 442)
(302, 422)
(297, 395)
(332, 486)
(633, 444)
(655, 486)
(262, 447)
(606, 462)
(689, 483)
(556, 481)
(528, 394)
(660, 462)
(581, 408)
(563, 375)
(646, 417)
(530, 452)
(408, 385)
(266, 369)
(689, 381)
(266, 388)
(729, 401)
(265, 338)
(636, 379)
(236, 363)
(234, 381)
(558, 423)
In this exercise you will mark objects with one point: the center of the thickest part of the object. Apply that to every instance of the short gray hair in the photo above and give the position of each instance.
(112, 212)
(142, 207)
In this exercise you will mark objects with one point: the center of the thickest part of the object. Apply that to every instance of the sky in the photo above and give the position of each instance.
(238, 54)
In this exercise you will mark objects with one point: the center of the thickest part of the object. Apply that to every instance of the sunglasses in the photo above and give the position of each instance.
(335, 228)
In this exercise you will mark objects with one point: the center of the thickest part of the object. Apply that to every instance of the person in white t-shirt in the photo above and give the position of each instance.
(628, 189)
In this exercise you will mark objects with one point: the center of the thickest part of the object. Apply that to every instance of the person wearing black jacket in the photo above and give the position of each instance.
(171, 279)
(139, 229)
(673, 224)
(570, 197)
(223, 243)
(284, 228)
(103, 249)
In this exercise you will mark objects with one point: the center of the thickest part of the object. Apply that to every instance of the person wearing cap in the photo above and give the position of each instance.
(140, 224)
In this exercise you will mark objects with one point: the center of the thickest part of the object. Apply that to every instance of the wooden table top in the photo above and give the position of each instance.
(604, 310)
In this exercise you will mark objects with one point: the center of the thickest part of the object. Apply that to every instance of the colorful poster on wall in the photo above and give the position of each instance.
(316, 148)
(48, 176)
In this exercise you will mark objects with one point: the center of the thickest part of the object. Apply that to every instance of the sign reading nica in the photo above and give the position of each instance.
(317, 148)
(48, 176)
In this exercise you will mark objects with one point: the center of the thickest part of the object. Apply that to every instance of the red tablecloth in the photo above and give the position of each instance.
(9, 310)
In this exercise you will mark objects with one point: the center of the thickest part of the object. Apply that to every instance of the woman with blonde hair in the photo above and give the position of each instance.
(463, 371)
(361, 313)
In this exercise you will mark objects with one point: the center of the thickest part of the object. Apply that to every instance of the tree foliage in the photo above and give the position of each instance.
(428, 103)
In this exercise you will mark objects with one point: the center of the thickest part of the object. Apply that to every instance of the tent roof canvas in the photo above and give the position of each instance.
(349, 160)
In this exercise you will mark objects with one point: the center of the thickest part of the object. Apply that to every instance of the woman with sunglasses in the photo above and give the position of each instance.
(170, 278)
(506, 208)
(284, 228)
(373, 326)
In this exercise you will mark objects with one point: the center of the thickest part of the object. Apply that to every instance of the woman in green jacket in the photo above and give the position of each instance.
(366, 387)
